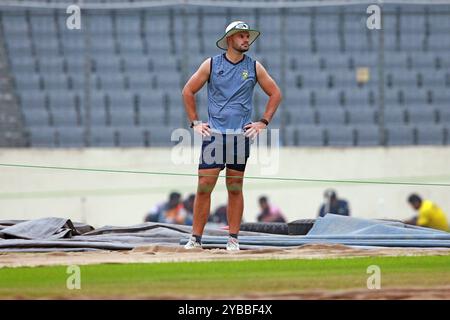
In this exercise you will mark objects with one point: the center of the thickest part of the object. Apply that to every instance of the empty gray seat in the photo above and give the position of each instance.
(400, 135)
(391, 97)
(297, 98)
(101, 24)
(367, 135)
(135, 64)
(340, 136)
(362, 116)
(298, 116)
(131, 137)
(27, 81)
(430, 134)
(61, 100)
(441, 96)
(394, 116)
(326, 98)
(14, 23)
(172, 79)
(70, 137)
(152, 115)
(421, 115)
(130, 44)
(36, 117)
(151, 99)
(54, 66)
(112, 82)
(42, 24)
(332, 116)
(439, 43)
(64, 117)
(310, 136)
(415, 97)
(315, 80)
(289, 136)
(22, 64)
(128, 24)
(107, 64)
(122, 117)
(102, 136)
(177, 117)
(140, 80)
(411, 42)
(55, 82)
(33, 99)
(444, 114)
(434, 79)
(121, 100)
(16, 45)
(42, 137)
(46, 46)
(98, 116)
(98, 99)
(160, 136)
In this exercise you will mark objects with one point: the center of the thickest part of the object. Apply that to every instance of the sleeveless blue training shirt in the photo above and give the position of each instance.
(230, 93)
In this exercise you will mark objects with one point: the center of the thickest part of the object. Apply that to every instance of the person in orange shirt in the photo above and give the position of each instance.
(430, 215)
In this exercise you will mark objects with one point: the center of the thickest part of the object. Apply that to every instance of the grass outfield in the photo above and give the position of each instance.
(223, 278)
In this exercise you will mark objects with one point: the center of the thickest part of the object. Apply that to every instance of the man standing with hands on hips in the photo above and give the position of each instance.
(231, 78)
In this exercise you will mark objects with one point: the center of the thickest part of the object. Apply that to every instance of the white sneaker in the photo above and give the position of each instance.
(232, 244)
(192, 243)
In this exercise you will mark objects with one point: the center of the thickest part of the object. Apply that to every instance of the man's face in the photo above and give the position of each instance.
(330, 199)
(263, 205)
(415, 205)
(240, 41)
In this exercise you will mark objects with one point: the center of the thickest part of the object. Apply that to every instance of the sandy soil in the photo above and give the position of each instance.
(155, 254)
(404, 293)
(439, 293)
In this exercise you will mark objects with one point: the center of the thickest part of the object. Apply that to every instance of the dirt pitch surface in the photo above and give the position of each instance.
(155, 254)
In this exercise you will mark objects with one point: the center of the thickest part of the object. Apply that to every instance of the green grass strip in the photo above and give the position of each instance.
(224, 278)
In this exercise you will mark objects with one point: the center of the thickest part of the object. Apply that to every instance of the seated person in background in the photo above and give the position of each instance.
(188, 205)
(174, 214)
(220, 215)
(333, 205)
(166, 212)
(430, 215)
(269, 212)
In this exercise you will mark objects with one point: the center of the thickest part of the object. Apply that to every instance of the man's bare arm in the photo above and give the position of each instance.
(270, 88)
(194, 84)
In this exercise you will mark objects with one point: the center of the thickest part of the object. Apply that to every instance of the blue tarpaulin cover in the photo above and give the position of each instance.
(59, 234)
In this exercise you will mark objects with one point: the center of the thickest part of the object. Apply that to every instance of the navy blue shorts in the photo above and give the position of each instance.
(225, 150)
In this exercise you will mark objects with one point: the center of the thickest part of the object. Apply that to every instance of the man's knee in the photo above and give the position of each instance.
(205, 185)
(234, 188)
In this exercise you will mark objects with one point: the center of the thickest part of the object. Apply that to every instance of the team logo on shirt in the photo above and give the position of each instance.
(244, 75)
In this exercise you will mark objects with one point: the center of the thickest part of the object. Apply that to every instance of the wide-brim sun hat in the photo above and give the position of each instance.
(235, 27)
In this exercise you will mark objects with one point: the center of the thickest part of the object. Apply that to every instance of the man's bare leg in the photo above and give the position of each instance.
(202, 203)
(235, 206)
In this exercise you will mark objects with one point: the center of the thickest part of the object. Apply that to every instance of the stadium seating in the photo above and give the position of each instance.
(134, 64)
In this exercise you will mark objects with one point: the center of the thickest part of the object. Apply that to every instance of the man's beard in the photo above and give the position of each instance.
(241, 50)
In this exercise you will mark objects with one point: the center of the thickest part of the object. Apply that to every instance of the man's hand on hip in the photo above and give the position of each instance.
(202, 128)
(252, 129)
